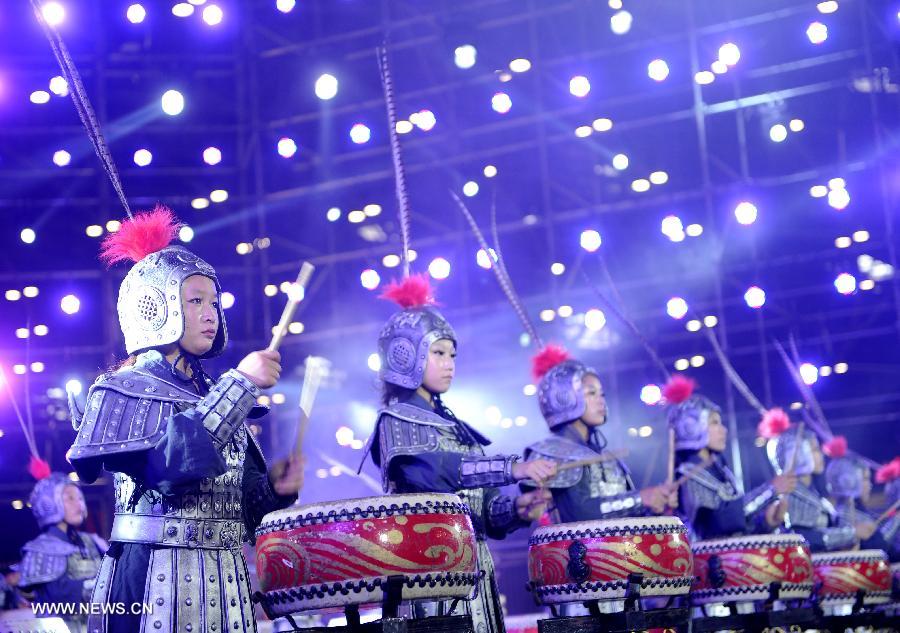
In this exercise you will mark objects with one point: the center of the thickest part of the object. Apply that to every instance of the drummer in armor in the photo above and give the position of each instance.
(889, 475)
(808, 513)
(191, 483)
(421, 446)
(709, 501)
(59, 566)
(572, 403)
(849, 482)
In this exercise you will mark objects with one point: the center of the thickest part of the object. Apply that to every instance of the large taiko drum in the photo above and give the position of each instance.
(592, 560)
(840, 575)
(340, 553)
(743, 568)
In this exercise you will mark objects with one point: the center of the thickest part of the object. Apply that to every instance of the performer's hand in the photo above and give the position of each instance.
(538, 470)
(785, 484)
(286, 475)
(263, 368)
(865, 530)
(655, 498)
(531, 505)
(776, 512)
(671, 492)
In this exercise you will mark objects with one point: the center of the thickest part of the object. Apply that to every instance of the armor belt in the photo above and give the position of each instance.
(178, 531)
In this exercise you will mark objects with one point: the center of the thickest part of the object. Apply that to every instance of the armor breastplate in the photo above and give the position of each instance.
(608, 479)
(807, 509)
(450, 440)
(208, 516)
(80, 568)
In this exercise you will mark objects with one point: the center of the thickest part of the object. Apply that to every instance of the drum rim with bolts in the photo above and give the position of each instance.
(342, 510)
(711, 546)
(631, 526)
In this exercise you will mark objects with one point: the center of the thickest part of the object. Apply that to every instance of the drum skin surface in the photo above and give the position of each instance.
(591, 560)
(841, 574)
(334, 554)
(742, 568)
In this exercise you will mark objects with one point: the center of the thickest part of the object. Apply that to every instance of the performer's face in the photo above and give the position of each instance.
(718, 433)
(440, 367)
(200, 305)
(594, 401)
(74, 509)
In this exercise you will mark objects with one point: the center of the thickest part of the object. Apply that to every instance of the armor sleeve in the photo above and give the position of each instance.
(407, 453)
(224, 409)
(500, 516)
(828, 539)
(481, 472)
(130, 412)
(755, 504)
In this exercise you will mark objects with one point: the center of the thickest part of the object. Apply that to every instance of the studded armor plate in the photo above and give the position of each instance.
(208, 517)
(47, 558)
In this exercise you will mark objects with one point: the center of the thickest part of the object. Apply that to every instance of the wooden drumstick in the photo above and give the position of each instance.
(604, 457)
(670, 467)
(887, 514)
(295, 295)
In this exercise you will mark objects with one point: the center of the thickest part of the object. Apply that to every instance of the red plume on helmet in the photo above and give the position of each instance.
(888, 472)
(774, 423)
(546, 359)
(146, 233)
(413, 292)
(678, 389)
(38, 468)
(835, 447)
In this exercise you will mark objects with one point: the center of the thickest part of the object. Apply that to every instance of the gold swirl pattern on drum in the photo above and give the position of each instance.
(612, 558)
(844, 579)
(749, 567)
(353, 550)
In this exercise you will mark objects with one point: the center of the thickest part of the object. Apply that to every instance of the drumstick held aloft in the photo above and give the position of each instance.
(295, 296)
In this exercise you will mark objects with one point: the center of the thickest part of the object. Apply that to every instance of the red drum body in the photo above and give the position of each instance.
(591, 560)
(742, 569)
(340, 553)
(842, 574)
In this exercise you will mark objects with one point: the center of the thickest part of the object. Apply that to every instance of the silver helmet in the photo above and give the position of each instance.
(47, 499)
(690, 421)
(404, 343)
(560, 394)
(844, 477)
(781, 450)
(149, 306)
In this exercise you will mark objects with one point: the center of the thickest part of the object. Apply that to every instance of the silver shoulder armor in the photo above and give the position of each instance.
(126, 412)
(44, 559)
(559, 449)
